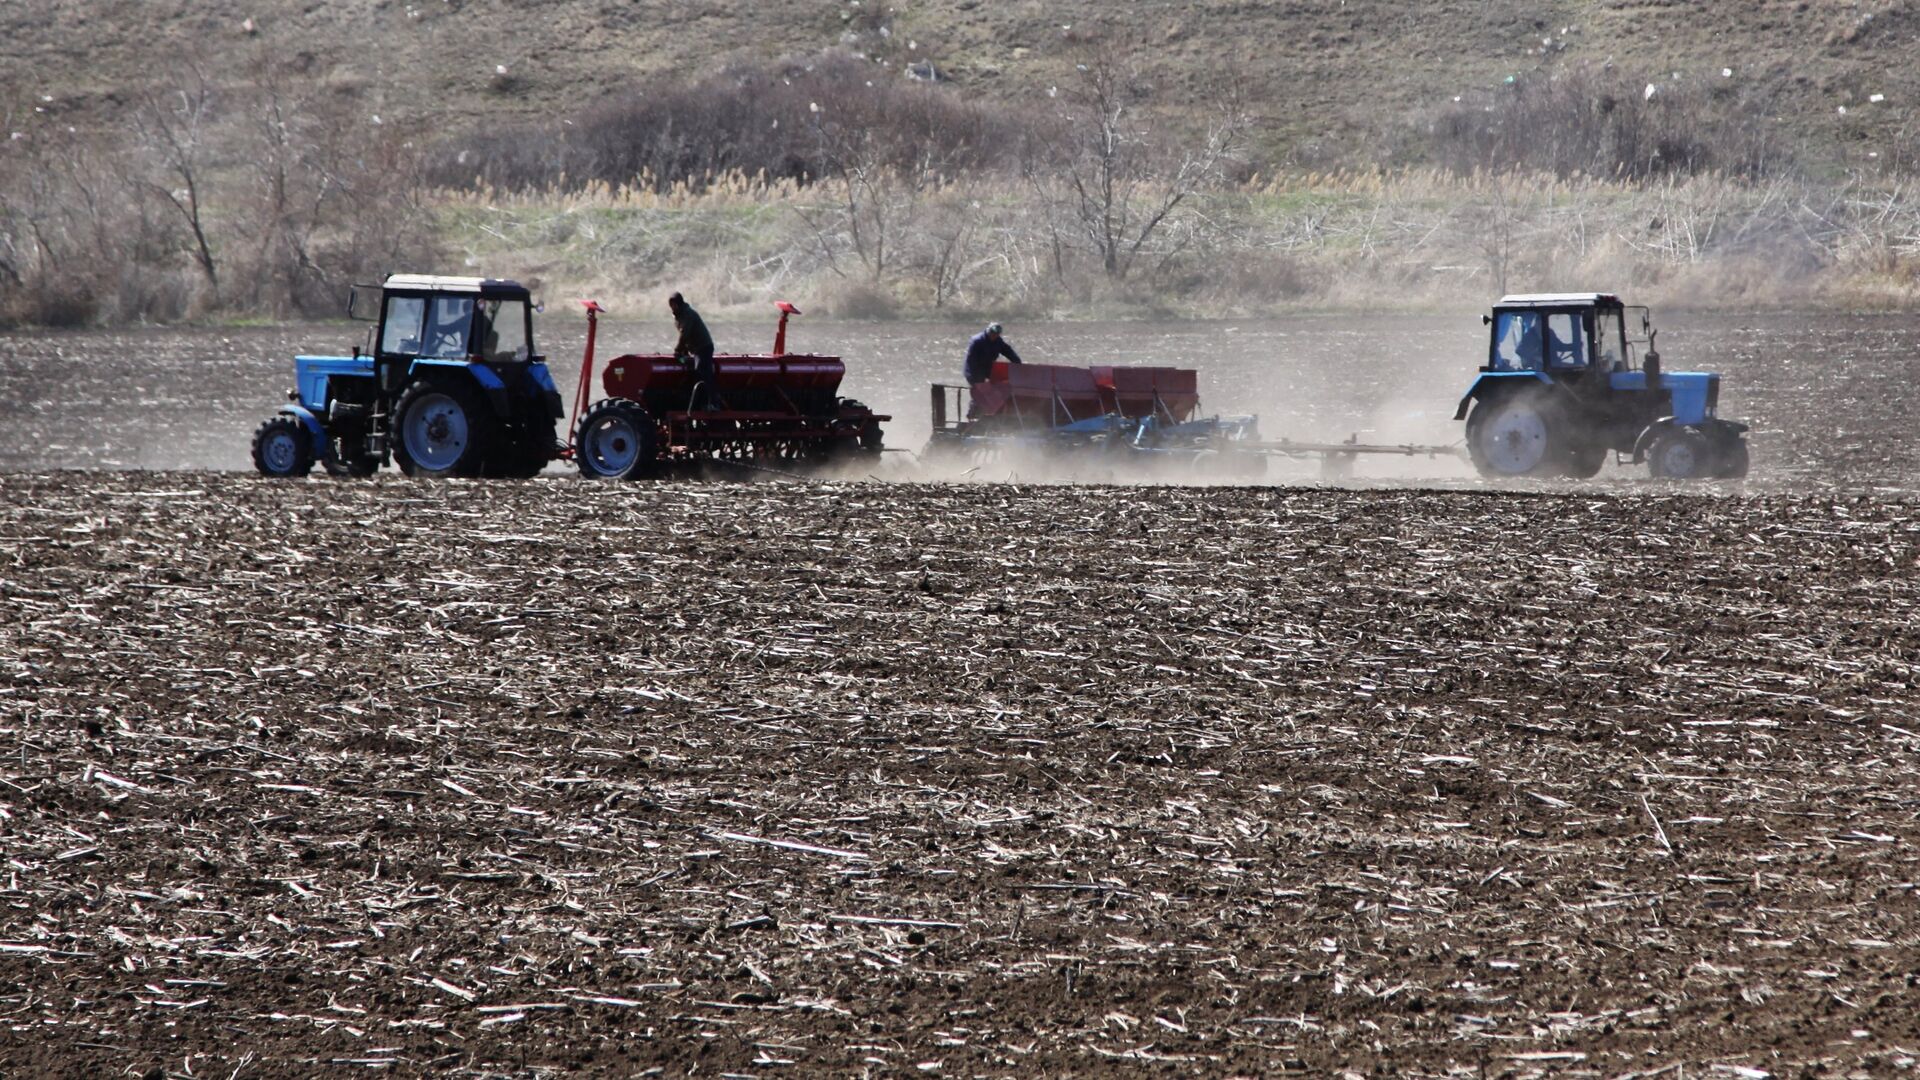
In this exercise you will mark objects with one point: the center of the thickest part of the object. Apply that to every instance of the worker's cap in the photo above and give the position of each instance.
(993, 328)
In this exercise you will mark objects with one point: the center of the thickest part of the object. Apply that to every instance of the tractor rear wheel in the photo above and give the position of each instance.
(1680, 454)
(441, 428)
(1517, 434)
(1733, 461)
(527, 451)
(617, 440)
(340, 461)
(282, 447)
(1584, 462)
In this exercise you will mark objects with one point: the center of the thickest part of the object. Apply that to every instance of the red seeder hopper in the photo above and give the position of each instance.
(1024, 397)
(1114, 412)
(1110, 414)
(776, 409)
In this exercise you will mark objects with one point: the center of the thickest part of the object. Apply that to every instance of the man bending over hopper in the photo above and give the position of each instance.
(695, 348)
(986, 347)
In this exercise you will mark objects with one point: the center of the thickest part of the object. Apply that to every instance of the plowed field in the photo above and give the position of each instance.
(788, 779)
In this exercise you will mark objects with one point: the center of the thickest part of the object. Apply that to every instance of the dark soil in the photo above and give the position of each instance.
(510, 779)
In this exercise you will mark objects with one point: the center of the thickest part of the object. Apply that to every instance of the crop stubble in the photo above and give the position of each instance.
(782, 777)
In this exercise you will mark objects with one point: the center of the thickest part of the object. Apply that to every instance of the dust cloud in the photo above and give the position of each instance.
(190, 398)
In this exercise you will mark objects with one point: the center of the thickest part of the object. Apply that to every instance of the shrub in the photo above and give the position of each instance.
(792, 120)
(1602, 122)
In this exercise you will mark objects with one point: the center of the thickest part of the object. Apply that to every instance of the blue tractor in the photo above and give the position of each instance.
(1565, 386)
(448, 384)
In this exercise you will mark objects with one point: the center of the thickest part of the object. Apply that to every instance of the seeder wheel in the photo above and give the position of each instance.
(617, 440)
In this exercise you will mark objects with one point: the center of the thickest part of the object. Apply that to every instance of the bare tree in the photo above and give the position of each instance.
(942, 240)
(330, 195)
(174, 122)
(1125, 181)
(882, 155)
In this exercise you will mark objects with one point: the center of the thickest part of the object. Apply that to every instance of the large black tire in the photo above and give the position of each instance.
(283, 448)
(868, 434)
(1733, 460)
(1680, 454)
(1585, 460)
(526, 451)
(617, 440)
(1522, 433)
(348, 463)
(442, 428)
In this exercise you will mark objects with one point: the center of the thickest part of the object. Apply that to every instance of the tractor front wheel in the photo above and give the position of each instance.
(283, 448)
(617, 440)
(441, 429)
(1680, 454)
(1517, 434)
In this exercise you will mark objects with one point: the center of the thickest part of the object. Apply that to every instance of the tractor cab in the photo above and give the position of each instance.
(1570, 334)
(457, 319)
(1565, 384)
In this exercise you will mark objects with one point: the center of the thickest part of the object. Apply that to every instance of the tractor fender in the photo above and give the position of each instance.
(485, 377)
(312, 423)
(1715, 429)
(542, 379)
(1491, 381)
(1651, 432)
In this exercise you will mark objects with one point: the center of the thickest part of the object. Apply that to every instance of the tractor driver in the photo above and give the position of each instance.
(452, 320)
(694, 349)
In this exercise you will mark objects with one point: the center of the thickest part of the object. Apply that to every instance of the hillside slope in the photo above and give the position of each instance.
(1330, 75)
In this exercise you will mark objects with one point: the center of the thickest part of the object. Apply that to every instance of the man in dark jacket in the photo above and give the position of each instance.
(695, 348)
(986, 347)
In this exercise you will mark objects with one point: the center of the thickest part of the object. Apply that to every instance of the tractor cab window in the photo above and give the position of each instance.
(1610, 341)
(402, 333)
(1516, 341)
(449, 320)
(1566, 340)
(501, 331)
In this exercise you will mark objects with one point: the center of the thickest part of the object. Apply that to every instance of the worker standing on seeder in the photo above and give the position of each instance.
(984, 348)
(695, 349)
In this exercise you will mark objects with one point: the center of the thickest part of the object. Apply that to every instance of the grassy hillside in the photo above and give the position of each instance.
(171, 159)
(1333, 81)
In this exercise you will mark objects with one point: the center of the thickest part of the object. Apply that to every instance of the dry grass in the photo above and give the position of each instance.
(1355, 239)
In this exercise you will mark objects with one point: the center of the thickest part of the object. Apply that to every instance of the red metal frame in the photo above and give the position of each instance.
(792, 431)
(1022, 396)
(583, 393)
